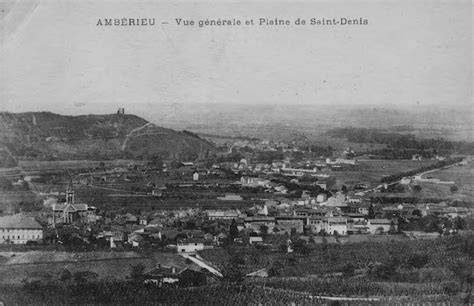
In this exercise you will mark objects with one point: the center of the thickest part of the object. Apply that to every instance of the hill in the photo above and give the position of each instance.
(49, 136)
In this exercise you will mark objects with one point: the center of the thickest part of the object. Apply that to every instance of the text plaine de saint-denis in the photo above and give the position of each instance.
(150, 22)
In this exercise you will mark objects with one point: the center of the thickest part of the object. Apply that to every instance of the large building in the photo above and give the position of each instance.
(18, 229)
(71, 212)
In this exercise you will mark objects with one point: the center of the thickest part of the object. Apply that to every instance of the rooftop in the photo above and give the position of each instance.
(19, 222)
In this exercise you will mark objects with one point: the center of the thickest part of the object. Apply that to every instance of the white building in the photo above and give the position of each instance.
(224, 214)
(336, 224)
(321, 197)
(330, 225)
(379, 226)
(191, 245)
(19, 229)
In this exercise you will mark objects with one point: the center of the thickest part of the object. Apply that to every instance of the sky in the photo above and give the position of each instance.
(53, 56)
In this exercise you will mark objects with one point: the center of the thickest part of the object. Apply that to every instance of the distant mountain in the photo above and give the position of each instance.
(49, 136)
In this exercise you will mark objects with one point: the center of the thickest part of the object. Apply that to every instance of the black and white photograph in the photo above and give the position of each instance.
(236, 152)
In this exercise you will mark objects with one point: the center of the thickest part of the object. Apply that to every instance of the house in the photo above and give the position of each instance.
(317, 224)
(321, 197)
(230, 197)
(357, 226)
(224, 214)
(19, 229)
(208, 237)
(161, 275)
(220, 238)
(130, 219)
(380, 226)
(157, 192)
(195, 176)
(135, 239)
(190, 245)
(281, 189)
(256, 223)
(254, 182)
(114, 237)
(172, 275)
(363, 208)
(143, 220)
(352, 198)
(336, 225)
(454, 212)
(288, 224)
(298, 172)
(255, 240)
(355, 217)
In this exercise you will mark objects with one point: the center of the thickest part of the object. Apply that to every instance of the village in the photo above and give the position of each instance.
(252, 211)
(228, 201)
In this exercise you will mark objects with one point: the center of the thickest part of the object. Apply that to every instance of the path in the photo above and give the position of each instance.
(200, 262)
(124, 145)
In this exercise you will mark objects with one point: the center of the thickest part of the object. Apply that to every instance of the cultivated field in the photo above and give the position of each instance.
(373, 171)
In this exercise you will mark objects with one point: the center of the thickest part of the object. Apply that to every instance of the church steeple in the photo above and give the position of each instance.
(70, 193)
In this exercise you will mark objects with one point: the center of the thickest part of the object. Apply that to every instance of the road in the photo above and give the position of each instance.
(200, 262)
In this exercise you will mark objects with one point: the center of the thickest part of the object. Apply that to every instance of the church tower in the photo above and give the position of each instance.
(70, 193)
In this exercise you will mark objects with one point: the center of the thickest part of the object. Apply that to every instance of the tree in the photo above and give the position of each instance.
(459, 223)
(462, 269)
(233, 230)
(344, 189)
(454, 188)
(300, 246)
(156, 162)
(417, 188)
(275, 269)
(348, 269)
(293, 231)
(392, 229)
(417, 212)
(232, 270)
(65, 275)
(371, 214)
(137, 272)
(418, 260)
(263, 229)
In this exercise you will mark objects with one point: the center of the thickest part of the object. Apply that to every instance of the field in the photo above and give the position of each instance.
(33, 165)
(219, 294)
(463, 177)
(47, 265)
(9, 200)
(372, 171)
(419, 271)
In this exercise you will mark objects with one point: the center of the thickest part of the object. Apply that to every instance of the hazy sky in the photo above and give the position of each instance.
(54, 57)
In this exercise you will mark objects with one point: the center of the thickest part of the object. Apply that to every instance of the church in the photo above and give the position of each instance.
(70, 211)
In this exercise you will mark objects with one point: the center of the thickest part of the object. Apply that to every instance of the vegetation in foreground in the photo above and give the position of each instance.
(126, 293)
(405, 271)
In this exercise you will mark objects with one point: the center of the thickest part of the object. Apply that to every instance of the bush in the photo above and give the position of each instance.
(137, 272)
(348, 269)
(451, 288)
(418, 260)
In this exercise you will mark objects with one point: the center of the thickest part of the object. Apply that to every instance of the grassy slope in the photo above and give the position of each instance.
(46, 135)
